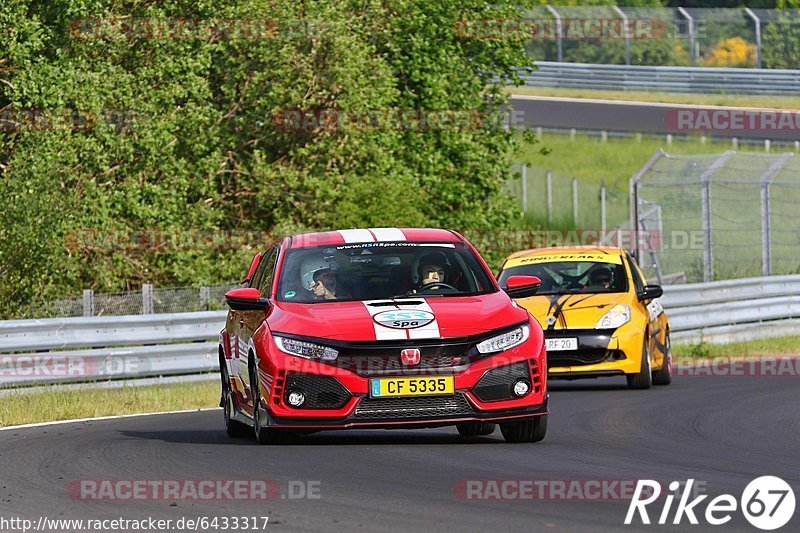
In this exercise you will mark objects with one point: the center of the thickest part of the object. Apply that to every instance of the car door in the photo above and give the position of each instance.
(655, 313)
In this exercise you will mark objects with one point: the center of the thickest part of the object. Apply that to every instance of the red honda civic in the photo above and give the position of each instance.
(380, 328)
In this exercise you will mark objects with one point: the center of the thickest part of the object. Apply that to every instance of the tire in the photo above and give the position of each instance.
(263, 434)
(528, 431)
(233, 428)
(474, 429)
(663, 376)
(644, 379)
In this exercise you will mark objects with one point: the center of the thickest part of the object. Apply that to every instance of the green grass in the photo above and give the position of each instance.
(590, 160)
(51, 405)
(773, 102)
(789, 345)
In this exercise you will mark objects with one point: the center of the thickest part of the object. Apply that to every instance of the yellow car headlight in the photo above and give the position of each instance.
(615, 317)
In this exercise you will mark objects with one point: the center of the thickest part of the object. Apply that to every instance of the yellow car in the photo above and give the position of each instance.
(598, 315)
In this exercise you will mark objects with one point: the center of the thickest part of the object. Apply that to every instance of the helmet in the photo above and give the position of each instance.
(310, 268)
(433, 258)
(601, 276)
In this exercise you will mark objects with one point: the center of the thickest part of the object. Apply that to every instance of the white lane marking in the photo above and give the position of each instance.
(388, 234)
(114, 417)
(356, 235)
(639, 104)
(428, 331)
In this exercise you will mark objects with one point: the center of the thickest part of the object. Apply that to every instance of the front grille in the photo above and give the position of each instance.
(579, 358)
(496, 383)
(378, 364)
(413, 407)
(322, 392)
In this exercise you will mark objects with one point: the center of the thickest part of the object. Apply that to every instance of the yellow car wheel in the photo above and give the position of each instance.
(644, 379)
(663, 376)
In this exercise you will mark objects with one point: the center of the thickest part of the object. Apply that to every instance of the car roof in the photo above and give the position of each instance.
(346, 236)
(558, 250)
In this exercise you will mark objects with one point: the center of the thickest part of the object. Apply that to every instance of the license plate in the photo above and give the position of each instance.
(558, 345)
(412, 386)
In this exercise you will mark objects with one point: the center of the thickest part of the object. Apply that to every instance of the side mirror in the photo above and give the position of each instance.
(522, 286)
(253, 266)
(650, 292)
(247, 299)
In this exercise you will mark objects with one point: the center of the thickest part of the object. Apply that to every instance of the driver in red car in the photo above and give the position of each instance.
(432, 269)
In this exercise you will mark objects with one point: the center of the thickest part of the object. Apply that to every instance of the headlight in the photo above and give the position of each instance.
(309, 350)
(618, 315)
(505, 341)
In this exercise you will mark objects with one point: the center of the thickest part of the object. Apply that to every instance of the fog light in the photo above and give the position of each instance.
(521, 388)
(296, 398)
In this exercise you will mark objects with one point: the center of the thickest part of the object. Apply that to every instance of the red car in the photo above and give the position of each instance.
(380, 328)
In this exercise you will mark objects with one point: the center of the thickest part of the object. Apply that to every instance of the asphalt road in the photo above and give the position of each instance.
(721, 431)
(645, 117)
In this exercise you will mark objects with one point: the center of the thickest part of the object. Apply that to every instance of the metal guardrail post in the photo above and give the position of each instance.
(575, 201)
(88, 302)
(559, 32)
(757, 22)
(705, 200)
(549, 197)
(147, 299)
(690, 20)
(766, 224)
(524, 179)
(627, 32)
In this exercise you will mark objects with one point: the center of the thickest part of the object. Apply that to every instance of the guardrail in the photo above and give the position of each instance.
(733, 310)
(691, 80)
(62, 350)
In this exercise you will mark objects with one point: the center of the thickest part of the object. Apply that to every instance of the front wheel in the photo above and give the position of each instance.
(528, 431)
(233, 428)
(644, 378)
(263, 434)
(663, 376)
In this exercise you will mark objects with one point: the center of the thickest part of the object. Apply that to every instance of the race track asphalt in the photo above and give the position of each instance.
(721, 431)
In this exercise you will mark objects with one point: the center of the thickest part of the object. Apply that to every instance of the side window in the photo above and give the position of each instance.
(263, 279)
(636, 274)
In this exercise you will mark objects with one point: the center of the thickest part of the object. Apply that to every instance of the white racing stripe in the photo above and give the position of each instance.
(388, 234)
(356, 235)
(428, 331)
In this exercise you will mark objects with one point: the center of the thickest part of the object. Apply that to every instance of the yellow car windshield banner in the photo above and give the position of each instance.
(557, 258)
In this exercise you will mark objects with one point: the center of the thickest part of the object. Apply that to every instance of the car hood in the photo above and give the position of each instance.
(571, 311)
(453, 316)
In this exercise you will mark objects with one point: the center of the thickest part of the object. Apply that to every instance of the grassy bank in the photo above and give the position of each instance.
(735, 100)
(789, 345)
(50, 405)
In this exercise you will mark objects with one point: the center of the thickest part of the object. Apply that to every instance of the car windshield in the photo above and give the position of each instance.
(571, 277)
(374, 271)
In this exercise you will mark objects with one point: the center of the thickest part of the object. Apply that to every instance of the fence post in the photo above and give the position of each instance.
(766, 231)
(757, 23)
(559, 32)
(524, 188)
(549, 197)
(627, 33)
(88, 302)
(147, 299)
(575, 201)
(603, 207)
(708, 252)
(205, 296)
(690, 20)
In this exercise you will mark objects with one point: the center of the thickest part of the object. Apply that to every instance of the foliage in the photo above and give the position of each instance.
(180, 134)
(732, 52)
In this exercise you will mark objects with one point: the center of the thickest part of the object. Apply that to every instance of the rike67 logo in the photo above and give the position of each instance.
(767, 502)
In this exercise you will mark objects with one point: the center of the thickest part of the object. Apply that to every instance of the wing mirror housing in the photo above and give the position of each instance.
(650, 292)
(522, 286)
(246, 299)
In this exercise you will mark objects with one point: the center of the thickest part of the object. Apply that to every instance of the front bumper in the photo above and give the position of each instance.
(338, 397)
(600, 353)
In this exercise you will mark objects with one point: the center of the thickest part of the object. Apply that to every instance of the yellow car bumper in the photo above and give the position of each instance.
(600, 352)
